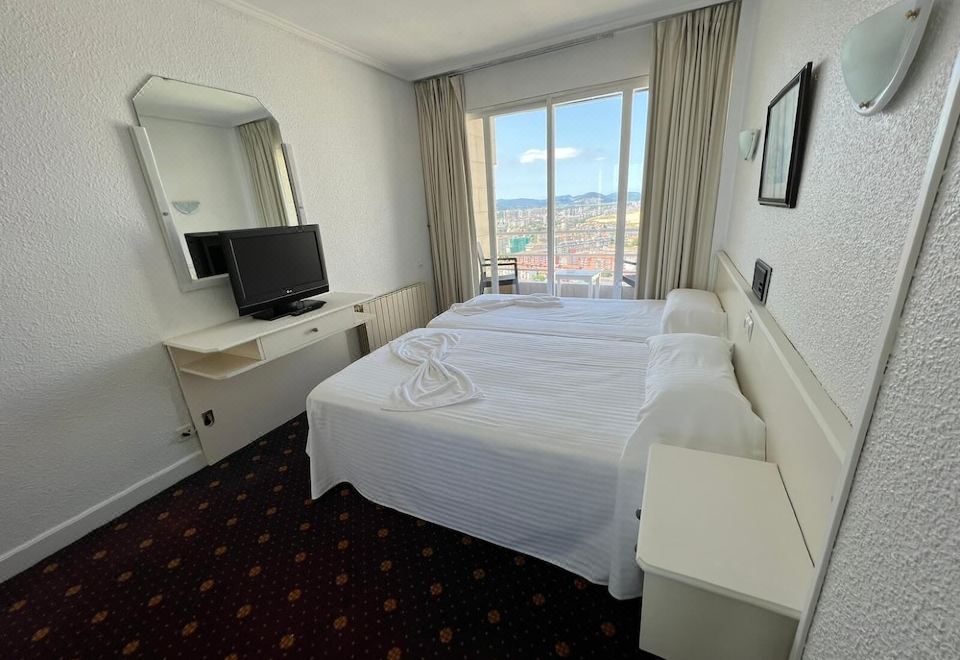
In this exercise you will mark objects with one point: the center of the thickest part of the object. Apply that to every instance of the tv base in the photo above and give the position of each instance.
(289, 309)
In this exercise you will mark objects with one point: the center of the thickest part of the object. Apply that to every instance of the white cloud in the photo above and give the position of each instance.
(560, 153)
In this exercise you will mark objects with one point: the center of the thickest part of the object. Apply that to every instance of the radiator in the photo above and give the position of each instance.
(395, 313)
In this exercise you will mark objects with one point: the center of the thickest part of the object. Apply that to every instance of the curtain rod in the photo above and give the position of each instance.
(604, 34)
(537, 51)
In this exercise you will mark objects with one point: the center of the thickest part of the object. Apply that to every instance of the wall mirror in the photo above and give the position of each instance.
(784, 141)
(876, 54)
(214, 160)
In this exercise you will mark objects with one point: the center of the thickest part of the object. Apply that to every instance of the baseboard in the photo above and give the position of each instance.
(43, 545)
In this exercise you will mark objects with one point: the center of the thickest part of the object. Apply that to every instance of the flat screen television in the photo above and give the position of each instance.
(272, 270)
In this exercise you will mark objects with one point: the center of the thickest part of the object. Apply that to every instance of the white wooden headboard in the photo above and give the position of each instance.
(808, 437)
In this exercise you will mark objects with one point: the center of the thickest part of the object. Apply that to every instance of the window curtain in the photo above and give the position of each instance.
(261, 144)
(446, 182)
(689, 87)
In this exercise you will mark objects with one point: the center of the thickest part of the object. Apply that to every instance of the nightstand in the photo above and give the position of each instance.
(726, 570)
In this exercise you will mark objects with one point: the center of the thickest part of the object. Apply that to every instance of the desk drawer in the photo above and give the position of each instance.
(280, 343)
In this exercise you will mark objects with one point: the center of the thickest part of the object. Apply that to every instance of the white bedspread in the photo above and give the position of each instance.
(532, 466)
(484, 304)
(627, 320)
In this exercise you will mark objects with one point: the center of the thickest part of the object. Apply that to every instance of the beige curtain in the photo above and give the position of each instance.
(689, 87)
(446, 182)
(261, 145)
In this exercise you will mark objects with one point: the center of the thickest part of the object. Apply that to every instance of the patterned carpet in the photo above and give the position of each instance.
(237, 562)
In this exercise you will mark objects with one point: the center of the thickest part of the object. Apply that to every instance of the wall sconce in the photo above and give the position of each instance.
(876, 54)
(186, 208)
(748, 143)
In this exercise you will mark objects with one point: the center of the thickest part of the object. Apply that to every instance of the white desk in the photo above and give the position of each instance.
(243, 374)
(726, 571)
(591, 277)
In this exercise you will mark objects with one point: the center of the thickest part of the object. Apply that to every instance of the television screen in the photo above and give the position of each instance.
(271, 269)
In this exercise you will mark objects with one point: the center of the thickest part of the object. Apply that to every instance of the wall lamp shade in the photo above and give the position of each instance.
(186, 207)
(876, 54)
(748, 143)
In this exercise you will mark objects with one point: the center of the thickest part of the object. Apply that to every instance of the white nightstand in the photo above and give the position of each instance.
(726, 571)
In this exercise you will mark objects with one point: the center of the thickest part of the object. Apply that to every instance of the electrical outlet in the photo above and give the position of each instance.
(184, 433)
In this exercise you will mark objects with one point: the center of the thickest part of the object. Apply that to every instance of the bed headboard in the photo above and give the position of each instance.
(808, 437)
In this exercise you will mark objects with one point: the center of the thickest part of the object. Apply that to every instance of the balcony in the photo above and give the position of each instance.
(577, 249)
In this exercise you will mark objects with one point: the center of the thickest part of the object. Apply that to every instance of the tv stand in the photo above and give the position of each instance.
(295, 308)
(245, 377)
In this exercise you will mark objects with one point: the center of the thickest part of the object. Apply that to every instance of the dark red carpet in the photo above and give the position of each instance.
(238, 562)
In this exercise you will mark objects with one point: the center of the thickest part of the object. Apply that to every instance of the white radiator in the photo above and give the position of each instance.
(395, 313)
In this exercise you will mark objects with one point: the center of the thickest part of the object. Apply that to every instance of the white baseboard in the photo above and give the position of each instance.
(43, 545)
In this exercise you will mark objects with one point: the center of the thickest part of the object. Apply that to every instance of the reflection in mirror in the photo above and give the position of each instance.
(220, 164)
(877, 53)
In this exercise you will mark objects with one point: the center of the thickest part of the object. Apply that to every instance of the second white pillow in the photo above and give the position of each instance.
(693, 310)
(693, 400)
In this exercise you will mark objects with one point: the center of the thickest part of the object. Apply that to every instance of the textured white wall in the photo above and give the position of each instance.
(834, 257)
(88, 400)
(893, 585)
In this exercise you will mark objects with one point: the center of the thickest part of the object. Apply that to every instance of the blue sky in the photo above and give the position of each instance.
(587, 144)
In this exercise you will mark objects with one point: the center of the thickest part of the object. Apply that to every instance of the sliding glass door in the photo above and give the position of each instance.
(586, 164)
(562, 176)
(520, 167)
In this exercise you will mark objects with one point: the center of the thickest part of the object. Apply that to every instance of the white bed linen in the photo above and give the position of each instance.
(626, 320)
(533, 466)
(484, 304)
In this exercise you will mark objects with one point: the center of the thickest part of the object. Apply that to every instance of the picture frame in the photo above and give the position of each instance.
(784, 140)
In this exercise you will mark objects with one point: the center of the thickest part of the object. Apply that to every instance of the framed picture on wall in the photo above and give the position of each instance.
(783, 142)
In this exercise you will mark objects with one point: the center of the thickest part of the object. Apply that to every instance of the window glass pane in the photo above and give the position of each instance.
(520, 184)
(587, 147)
(638, 141)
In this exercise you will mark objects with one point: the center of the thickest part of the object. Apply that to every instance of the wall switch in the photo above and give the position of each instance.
(762, 272)
(748, 325)
(185, 432)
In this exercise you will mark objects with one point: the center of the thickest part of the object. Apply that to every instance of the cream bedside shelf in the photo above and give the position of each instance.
(726, 570)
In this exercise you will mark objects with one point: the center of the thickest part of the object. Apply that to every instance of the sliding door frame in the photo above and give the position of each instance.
(488, 142)
(626, 89)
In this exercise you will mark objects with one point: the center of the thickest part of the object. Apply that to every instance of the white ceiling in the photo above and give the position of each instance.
(418, 38)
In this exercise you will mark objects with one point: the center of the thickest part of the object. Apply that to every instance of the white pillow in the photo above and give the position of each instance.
(692, 310)
(693, 400)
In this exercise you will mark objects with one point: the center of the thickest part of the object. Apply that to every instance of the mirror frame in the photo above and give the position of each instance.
(151, 172)
(921, 13)
(803, 82)
(164, 209)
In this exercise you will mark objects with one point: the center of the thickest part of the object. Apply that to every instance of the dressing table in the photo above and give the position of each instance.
(214, 162)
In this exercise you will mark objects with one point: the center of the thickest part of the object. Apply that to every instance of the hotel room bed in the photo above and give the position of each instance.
(533, 466)
(627, 320)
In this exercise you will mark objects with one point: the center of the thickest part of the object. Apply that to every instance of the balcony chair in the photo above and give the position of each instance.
(486, 279)
(630, 279)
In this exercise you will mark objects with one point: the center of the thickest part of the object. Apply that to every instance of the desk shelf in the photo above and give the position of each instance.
(219, 366)
(229, 412)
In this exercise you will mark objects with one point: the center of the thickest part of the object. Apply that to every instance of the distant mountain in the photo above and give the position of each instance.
(563, 200)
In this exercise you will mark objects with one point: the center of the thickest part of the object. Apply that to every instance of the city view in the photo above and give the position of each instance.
(585, 234)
